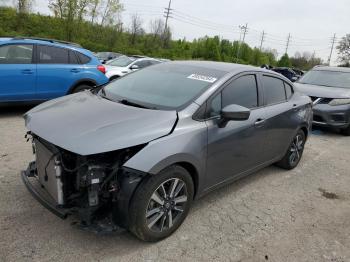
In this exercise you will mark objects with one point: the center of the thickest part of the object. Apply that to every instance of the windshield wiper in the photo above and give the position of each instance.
(129, 103)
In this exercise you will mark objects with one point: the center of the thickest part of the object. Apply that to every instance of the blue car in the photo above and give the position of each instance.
(35, 70)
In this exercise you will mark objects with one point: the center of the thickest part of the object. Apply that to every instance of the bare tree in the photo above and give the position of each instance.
(157, 28)
(135, 28)
(24, 6)
(111, 12)
(94, 10)
(344, 49)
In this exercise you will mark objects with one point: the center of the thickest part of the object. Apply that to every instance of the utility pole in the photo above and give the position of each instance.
(167, 13)
(244, 29)
(262, 40)
(330, 55)
(287, 46)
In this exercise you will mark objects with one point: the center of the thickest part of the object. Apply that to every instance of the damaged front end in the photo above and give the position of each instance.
(95, 188)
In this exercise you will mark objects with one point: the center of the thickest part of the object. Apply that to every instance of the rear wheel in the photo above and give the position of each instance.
(295, 151)
(113, 78)
(81, 88)
(161, 203)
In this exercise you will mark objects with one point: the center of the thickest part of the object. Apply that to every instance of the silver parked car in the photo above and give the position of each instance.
(137, 152)
(329, 89)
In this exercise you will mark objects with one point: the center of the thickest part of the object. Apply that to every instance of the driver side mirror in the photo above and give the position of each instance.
(233, 113)
(134, 67)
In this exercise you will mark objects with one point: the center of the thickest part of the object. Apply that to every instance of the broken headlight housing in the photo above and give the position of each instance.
(339, 102)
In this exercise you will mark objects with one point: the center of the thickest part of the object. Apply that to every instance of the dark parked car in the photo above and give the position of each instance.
(141, 149)
(287, 72)
(104, 57)
(329, 89)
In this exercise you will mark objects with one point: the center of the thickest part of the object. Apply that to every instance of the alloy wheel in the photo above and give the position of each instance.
(296, 149)
(166, 205)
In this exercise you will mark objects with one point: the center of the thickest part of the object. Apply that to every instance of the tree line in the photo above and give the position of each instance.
(97, 25)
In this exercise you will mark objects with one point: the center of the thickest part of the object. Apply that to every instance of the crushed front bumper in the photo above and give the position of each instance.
(331, 116)
(30, 180)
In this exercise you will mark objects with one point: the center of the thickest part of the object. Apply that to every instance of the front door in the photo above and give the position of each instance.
(17, 73)
(239, 146)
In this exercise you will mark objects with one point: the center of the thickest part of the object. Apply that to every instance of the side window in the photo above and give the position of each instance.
(289, 90)
(83, 58)
(215, 106)
(142, 64)
(16, 54)
(154, 62)
(242, 91)
(52, 55)
(273, 90)
(73, 59)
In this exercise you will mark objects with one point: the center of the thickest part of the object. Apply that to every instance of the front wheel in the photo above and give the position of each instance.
(161, 203)
(346, 132)
(295, 151)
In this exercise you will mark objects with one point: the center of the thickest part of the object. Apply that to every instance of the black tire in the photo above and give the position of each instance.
(346, 132)
(81, 88)
(143, 209)
(113, 78)
(294, 153)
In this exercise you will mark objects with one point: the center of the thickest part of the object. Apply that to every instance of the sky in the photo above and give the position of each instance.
(311, 23)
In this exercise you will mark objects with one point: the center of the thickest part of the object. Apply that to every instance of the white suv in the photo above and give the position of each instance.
(126, 64)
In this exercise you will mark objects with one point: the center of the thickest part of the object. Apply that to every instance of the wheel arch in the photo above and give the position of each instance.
(85, 81)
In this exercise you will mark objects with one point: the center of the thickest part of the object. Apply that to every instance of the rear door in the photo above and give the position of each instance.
(58, 69)
(239, 146)
(281, 115)
(17, 73)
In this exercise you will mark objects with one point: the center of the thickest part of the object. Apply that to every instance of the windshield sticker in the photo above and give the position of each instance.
(202, 78)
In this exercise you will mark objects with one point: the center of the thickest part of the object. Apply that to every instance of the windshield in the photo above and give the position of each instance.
(326, 78)
(122, 61)
(164, 86)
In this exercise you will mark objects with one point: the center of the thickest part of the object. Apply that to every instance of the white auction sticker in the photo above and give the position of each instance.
(202, 78)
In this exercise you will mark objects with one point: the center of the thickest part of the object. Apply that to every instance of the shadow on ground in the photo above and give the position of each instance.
(14, 110)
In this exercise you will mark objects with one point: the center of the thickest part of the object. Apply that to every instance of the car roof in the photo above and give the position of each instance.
(332, 68)
(222, 66)
(45, 41)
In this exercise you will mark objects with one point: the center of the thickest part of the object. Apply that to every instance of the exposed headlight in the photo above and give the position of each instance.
(340, 101)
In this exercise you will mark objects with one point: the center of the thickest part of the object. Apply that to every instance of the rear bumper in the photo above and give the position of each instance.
(30, 180)
(331, 116)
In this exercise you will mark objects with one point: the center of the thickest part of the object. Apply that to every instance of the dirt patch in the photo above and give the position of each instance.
(327, 194)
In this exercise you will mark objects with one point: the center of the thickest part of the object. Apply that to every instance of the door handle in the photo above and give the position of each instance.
(259, 122)
(75, 70)
(27, 71)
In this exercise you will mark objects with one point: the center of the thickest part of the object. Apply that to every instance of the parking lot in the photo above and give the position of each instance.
(274, 215)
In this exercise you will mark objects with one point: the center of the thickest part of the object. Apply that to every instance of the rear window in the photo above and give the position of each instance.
(289, 90)
(83, 58)
(52, 55)
(274, 91)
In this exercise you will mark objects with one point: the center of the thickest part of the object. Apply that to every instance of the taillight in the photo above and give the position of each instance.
(101, 68)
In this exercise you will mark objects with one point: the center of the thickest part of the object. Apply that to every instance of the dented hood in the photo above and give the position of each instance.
(87, 124)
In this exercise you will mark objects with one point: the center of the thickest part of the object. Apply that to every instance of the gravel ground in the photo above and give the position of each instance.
(274, 215)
